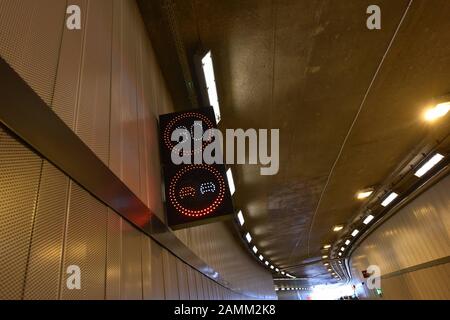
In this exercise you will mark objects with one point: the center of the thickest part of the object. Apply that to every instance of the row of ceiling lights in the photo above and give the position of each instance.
(432, 114)
(209, 75)
(292, 289)
(248, 237)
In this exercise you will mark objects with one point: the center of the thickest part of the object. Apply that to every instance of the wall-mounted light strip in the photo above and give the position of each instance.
(427, 166)
(231, 182)
(241, 219)
(389, 199)
(208, 70)
(368, 219)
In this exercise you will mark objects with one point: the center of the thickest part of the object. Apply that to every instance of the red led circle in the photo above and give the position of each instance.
(212, 206)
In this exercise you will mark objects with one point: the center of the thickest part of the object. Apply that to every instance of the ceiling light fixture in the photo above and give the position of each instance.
(340, 254)
(255, 249)
(364, 194)
(438, 111)
(347, 242)
(429, 165)
(324, 257)
(338, 228)
(368, 219)
(389, 199)
(343, 249)
(355, 232)
(266, 263)
(208, 71)
(261, 257)
(248, 237)
(231, 182)
(272, 267)
(327, 246)
(241, 219)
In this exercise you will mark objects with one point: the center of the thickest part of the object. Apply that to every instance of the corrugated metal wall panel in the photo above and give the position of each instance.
(415, 235)
(93, 114)
(20, 171)
(66, 94)
(192, 283)
(146, 267)
(170, 276)
(124, 121)
(85, 245)
(131, 275)
(183, 285)
(30, 38)
(44, 266)
(199, 285)
(158, 290)
(114, 256)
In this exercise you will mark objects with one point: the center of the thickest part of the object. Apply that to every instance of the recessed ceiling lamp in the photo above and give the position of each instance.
(248, 237)
(364, 194)
(347, 242)
(283, 273)
(327, 246)
(266, 263)
(255, 249)
(277, 270)
(241, 219)
(389, 199)
(355, 232)
(261, 257)
(324, 257)
(326, 264)
(368, 219)
(343, 249)
(208, 71)
(338, 228)
(272, 267)
(231, 181)
(437, 111)
(427, 166)
(340, 254)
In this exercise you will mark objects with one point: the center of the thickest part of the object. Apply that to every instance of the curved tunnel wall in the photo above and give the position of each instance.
(412, 249)
(103, 81)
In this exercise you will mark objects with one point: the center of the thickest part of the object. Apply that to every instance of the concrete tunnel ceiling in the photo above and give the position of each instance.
(313, 70)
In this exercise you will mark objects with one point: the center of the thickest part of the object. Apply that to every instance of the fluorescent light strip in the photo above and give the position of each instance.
(429, 165)
(389, 199)
(248, 237)
(355, 232)
(231, 181)
(208, 70)
(241, 219)
(368, 219)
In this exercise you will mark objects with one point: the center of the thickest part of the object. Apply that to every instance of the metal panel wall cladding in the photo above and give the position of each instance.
(196, 193)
